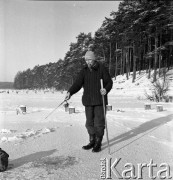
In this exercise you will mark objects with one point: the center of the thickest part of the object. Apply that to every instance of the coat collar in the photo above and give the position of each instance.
(95, 66)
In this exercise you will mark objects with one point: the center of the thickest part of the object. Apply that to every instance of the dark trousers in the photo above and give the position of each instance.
(95, 121)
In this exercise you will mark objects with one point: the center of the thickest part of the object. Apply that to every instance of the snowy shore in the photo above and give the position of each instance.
(50, 148)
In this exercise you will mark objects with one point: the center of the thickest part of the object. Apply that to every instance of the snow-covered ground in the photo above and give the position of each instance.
(50, 148)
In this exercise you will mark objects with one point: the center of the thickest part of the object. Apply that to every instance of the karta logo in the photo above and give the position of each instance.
(111, 169)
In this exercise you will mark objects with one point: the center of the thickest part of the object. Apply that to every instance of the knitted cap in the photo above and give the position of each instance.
(90, 55)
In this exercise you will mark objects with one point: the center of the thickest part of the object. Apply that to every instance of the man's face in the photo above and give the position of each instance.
(89, 61)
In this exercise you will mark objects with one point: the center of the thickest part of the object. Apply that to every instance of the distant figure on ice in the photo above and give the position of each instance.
(89, 78)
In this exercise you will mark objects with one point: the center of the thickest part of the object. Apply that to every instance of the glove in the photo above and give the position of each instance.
(103, 91)
(68, 96)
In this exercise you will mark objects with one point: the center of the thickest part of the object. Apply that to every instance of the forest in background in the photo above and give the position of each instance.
(139, 36)
(6, 85)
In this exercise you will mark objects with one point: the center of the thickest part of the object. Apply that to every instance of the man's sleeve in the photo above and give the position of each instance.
(77, 85)
(107, 81)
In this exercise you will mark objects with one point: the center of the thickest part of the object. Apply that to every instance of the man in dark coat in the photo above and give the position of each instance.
(89, 78)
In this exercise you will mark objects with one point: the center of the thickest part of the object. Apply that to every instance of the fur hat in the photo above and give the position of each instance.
(90, 55)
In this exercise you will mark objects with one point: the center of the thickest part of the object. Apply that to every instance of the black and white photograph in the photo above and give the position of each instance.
(86, 90)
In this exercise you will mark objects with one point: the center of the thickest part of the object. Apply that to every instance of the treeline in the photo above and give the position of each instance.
(139, 36)
(6, 85)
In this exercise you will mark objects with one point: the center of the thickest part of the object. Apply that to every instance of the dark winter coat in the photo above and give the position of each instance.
(90, 81)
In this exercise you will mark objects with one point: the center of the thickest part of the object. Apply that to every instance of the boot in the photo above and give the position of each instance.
(91, 143)
(98, 144)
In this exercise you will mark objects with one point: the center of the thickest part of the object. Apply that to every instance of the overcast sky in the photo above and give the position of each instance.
(39, 32)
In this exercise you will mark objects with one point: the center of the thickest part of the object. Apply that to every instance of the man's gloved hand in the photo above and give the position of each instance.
(103, 91)
(68, 96)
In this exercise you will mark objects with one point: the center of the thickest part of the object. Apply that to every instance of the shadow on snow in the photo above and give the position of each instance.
(142, 129)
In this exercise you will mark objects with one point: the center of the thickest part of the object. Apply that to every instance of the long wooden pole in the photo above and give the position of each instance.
(101, 81)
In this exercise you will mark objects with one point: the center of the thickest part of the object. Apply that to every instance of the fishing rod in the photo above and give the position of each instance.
(55, 109)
